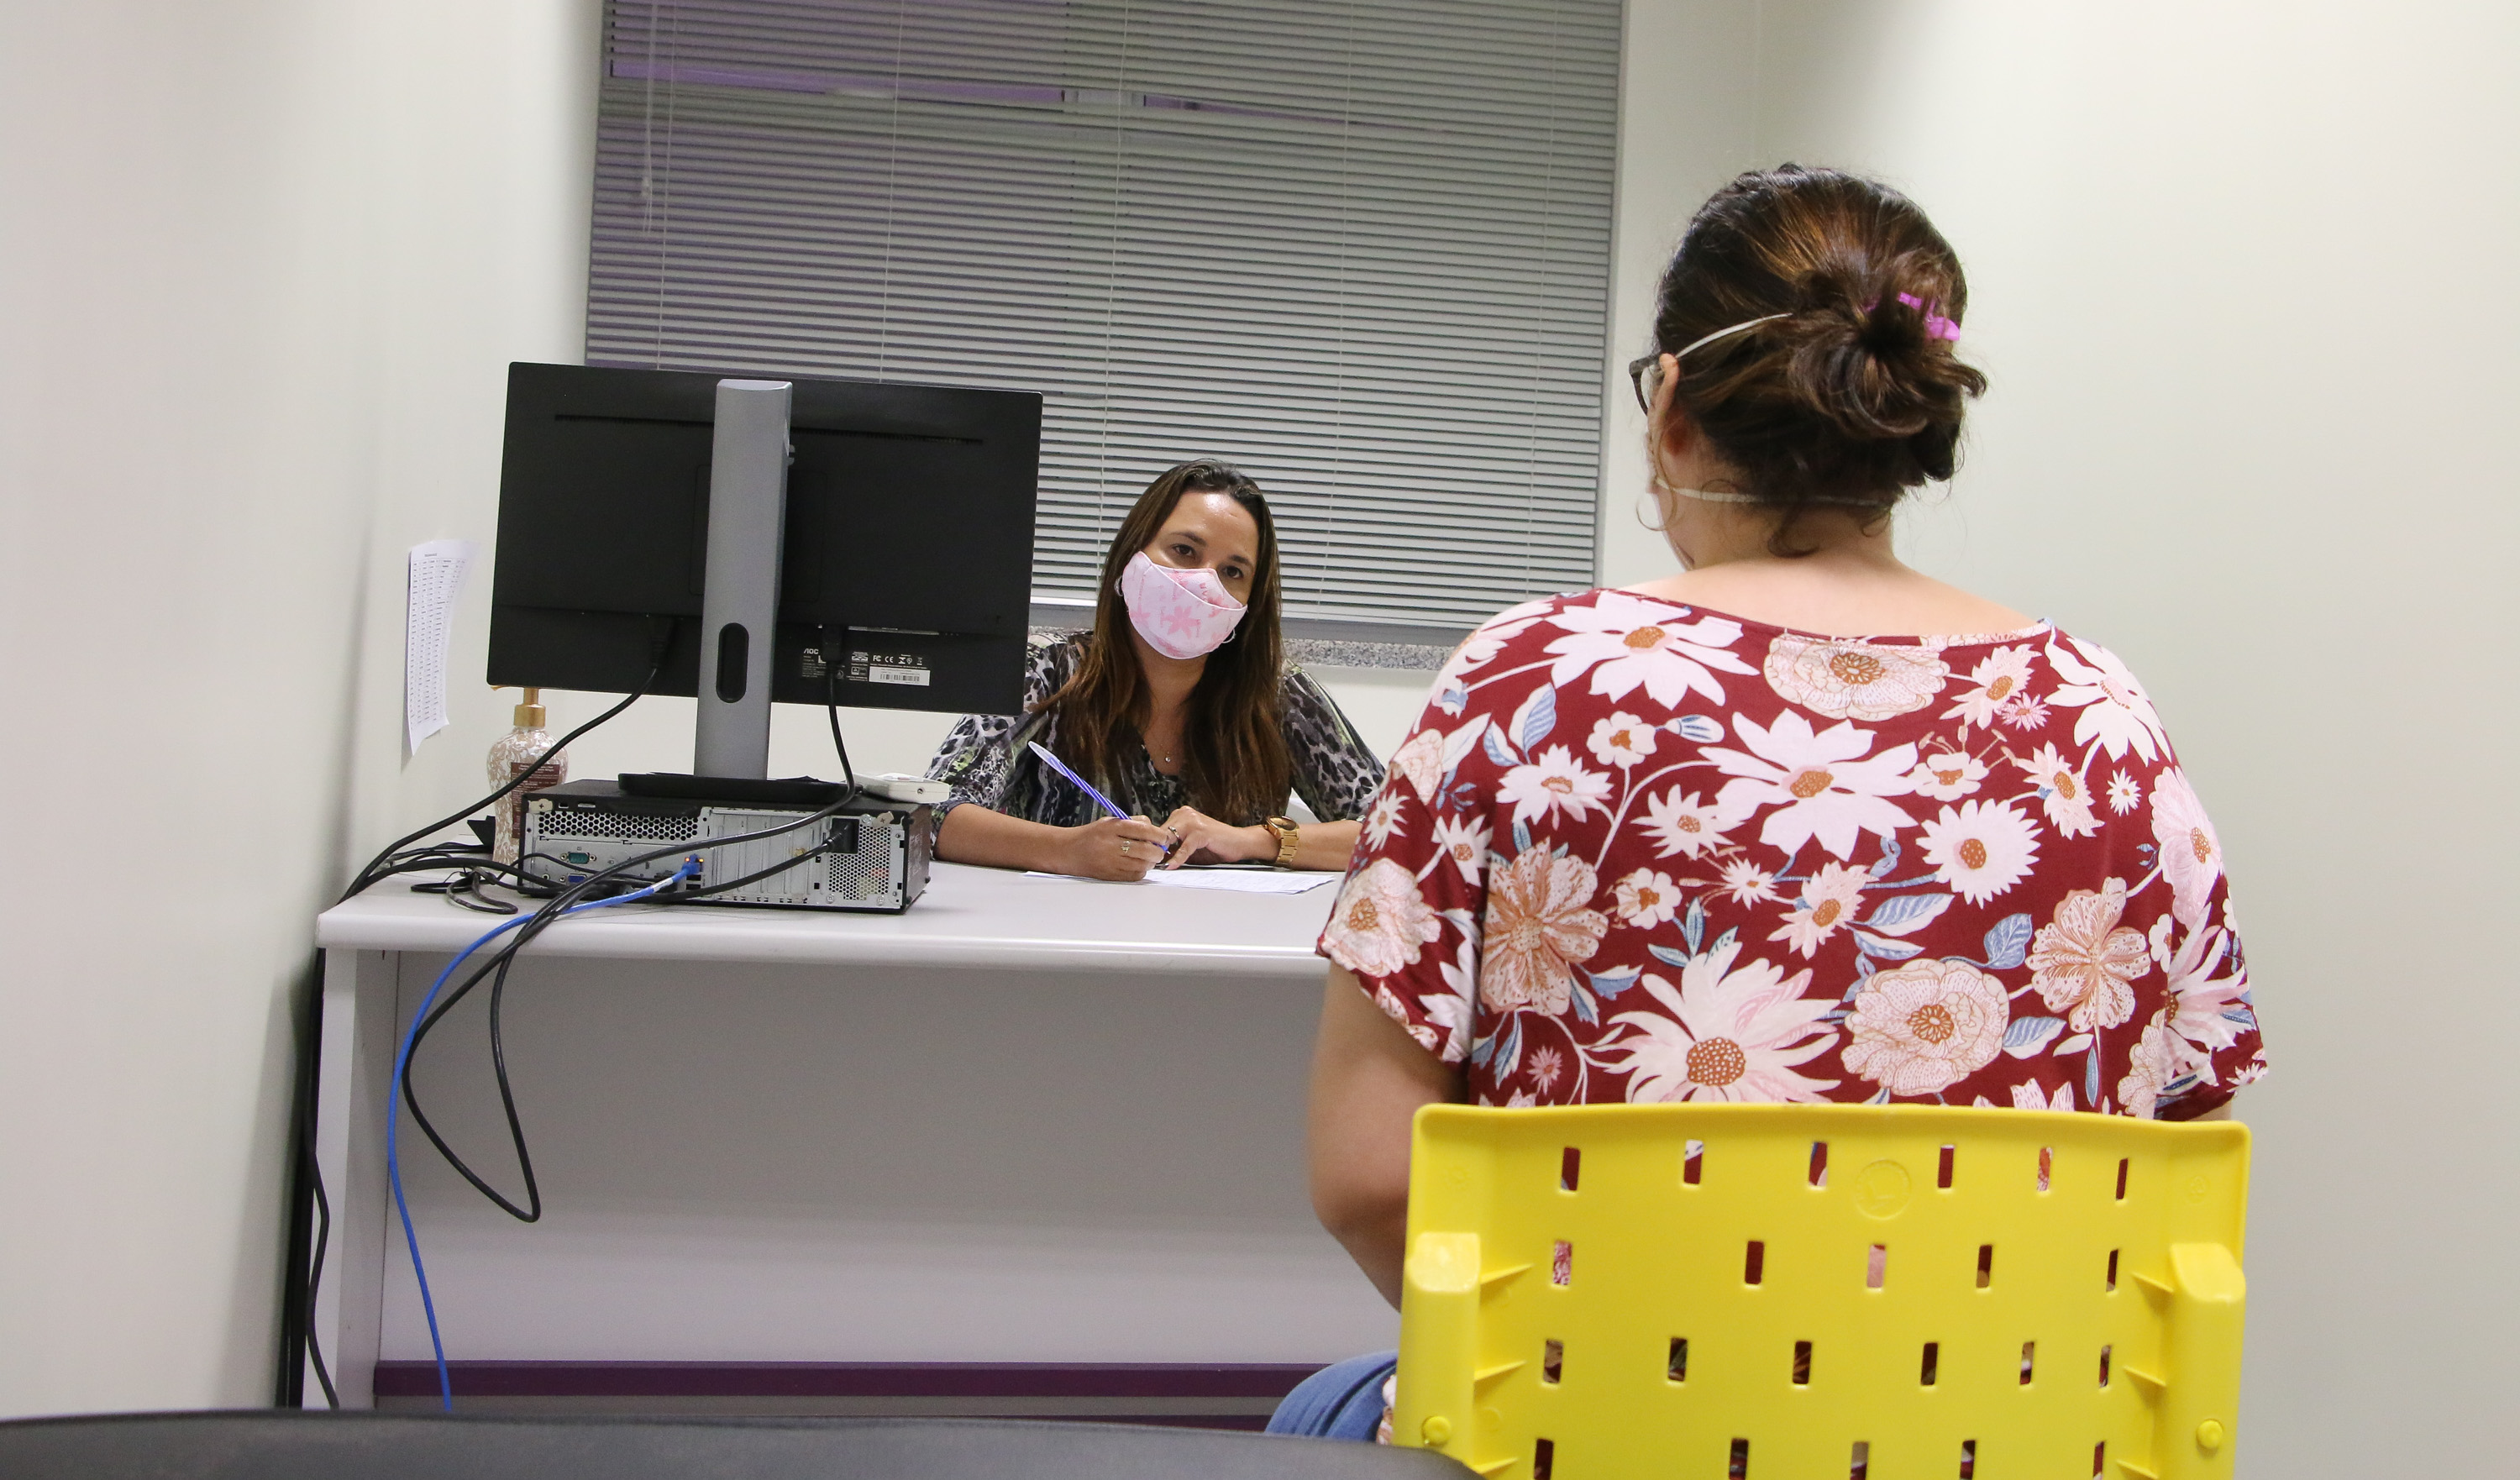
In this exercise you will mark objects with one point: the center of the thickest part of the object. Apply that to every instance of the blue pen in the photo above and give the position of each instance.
(1059, 766)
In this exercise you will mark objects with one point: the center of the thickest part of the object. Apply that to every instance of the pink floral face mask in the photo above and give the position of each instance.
(1181, 613)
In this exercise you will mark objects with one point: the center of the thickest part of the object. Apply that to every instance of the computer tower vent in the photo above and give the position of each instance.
(659, 828)
(856, 876)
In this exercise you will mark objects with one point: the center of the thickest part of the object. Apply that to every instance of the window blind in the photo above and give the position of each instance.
(1359, 248)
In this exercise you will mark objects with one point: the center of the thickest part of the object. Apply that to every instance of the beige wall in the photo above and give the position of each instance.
(1687, 122)
(260, 266)
(2239, 276)
(2240, 273)
(252, 262)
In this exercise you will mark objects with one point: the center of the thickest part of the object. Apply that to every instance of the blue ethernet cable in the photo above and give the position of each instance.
(393, 1100)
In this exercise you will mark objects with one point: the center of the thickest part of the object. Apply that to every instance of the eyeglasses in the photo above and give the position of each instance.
(1637, 368)
(1645, 373)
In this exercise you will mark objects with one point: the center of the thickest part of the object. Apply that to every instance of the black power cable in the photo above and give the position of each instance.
(305, 1273)
(495, 968)
(658, 645)
(472, 869)
(497, 965)
(297, 1295)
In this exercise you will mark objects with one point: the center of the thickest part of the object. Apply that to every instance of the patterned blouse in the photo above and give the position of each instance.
(987, 758)
(1636, 850)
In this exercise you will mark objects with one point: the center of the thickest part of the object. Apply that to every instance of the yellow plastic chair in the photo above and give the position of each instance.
(1788, 1292)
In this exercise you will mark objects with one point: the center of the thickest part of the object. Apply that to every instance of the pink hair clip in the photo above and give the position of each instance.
(1936, 326)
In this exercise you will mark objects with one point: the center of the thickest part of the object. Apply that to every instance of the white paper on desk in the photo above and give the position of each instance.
(1241, 881)
(1238, 880)
(437, 571)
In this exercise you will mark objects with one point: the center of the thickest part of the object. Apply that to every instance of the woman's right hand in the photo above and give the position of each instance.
(1113, 847)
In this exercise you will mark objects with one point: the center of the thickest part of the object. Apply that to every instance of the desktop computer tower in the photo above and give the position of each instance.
(871, 856)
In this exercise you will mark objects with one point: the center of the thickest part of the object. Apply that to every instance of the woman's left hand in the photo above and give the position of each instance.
(1204, 839)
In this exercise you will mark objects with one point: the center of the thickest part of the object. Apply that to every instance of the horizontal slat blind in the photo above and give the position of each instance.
(1361, 248)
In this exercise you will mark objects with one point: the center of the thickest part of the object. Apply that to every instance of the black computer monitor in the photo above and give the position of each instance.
(908, 549)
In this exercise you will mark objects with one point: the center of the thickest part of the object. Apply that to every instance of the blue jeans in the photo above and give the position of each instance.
(1341, 1401)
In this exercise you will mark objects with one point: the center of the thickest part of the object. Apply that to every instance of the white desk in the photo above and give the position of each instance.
(1030, 1120)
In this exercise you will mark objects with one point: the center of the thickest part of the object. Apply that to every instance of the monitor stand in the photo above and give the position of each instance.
(748, 516)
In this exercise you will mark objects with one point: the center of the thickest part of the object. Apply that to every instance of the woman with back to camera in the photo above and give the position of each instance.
(1716, 836)
(1177, 704)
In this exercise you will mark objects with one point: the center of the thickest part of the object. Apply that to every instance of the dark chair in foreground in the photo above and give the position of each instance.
(283, 1444)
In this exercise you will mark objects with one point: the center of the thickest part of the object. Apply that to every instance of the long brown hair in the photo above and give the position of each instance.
(1851, 394)
(1235, 762)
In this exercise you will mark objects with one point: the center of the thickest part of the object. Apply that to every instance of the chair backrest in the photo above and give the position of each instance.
(1784, 1292)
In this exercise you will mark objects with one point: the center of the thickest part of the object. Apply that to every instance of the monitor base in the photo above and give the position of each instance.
(794, 790)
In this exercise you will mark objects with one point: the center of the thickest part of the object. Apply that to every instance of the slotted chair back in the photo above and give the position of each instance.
(1789, 1292)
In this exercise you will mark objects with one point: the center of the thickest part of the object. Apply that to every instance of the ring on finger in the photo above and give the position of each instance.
(1124, 847)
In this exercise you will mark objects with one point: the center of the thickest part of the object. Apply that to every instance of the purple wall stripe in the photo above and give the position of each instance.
(844, 1379)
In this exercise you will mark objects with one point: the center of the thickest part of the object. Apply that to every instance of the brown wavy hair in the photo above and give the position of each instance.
(1849, 399)
(1235, 762)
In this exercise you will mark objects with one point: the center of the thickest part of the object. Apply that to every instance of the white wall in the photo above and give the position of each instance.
(1687, 122)
(2239, 278)
(254, 260)
(2240, 273)
(262, 265)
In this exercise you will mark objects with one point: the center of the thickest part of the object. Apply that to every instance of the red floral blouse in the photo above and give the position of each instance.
(1636, 850)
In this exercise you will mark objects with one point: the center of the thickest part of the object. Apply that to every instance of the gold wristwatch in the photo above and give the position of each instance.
(1289, 837)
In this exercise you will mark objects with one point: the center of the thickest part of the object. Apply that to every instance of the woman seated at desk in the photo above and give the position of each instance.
(1178, 704)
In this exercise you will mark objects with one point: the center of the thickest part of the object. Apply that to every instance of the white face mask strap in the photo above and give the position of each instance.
(1717, 496)
(1704, 495)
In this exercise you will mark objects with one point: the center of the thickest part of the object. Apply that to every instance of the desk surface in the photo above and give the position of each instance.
(985, 917)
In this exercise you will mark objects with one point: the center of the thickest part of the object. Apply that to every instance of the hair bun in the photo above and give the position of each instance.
(1857, 395)
(1892, 330)
(1863, 358)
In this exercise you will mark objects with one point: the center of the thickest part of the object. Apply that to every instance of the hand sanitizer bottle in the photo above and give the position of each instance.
(516, 750)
